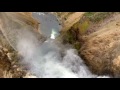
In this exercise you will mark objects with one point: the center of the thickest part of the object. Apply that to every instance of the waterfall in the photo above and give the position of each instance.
(46, 59)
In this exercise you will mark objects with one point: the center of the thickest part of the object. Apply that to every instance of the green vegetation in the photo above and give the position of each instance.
(90, 18)
(71, 38)
(97, 16)
(68, 37)
(77, 45)
(80, 28)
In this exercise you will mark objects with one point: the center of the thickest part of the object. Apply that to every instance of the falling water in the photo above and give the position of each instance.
(50, 59)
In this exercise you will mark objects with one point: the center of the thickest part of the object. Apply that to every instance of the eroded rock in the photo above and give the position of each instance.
(101, 50)
(68, 19)
(4, 63)
(19, 25)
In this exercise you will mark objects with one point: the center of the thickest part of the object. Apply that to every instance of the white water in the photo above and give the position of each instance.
(46, 60)
(49, 60)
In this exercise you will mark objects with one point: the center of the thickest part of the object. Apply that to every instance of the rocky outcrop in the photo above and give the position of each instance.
(13, 26)
(20, 17)
(101, 50)
(4, 61)
(16, 25)
(9, 67)
(68, 19)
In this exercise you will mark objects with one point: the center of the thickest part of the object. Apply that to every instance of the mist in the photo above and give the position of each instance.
(48, 60)
(44, 59)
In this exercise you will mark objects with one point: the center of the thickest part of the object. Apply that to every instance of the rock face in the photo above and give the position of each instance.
(10, 66)
(16, 25)
(24, 17)
(101, 49)
(4, 62)
(68, 19)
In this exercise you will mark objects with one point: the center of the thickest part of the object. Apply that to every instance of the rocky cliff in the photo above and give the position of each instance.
(14, 25)
(96, 36)
(101, 49)
(68, 19)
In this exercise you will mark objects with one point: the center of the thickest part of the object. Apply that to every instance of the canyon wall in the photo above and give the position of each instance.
(15, 24)
(68, 19)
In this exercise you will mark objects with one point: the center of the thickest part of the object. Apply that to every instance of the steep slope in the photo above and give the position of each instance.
(68, 19)
(14, 26)
(101, 49)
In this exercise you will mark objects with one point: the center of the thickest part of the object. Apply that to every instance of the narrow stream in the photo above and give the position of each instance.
(48, 23)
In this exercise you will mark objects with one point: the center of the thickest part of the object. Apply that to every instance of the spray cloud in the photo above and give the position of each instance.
(46, 60)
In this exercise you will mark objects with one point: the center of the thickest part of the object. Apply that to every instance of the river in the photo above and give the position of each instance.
(49, 60)
(46, 59)
(48, 23)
